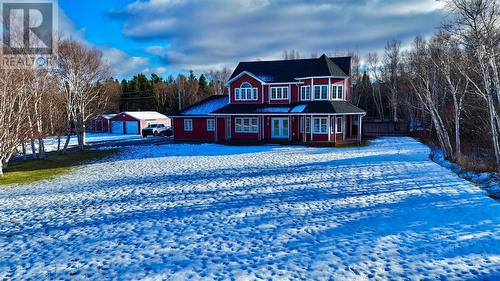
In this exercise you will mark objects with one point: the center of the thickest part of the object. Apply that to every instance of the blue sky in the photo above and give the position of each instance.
(171, 36)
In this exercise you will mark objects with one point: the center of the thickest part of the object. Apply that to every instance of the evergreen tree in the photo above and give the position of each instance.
(202, 82)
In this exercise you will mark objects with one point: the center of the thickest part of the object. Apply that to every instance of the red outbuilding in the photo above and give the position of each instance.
(132, 122)
(100, 123)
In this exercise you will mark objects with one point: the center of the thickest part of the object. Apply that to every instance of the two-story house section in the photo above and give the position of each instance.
(303, 100)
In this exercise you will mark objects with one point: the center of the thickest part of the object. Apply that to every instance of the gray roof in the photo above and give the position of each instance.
(288, 70)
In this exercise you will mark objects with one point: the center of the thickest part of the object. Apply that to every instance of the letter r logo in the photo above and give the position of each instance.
(28, 27)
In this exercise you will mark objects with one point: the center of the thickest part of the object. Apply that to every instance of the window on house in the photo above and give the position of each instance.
(321, 92)
(188, 124)
(246, 125)
(305, 123)
(338, 125)
(210, 125)
(279, 93)
(337, 92)
(245, 92)
(305, 92)
(320, 125)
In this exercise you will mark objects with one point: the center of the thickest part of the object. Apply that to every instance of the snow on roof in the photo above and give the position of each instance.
(108, 116)
(273, 109)
(207, 105)
(299, 108)
(145, 115)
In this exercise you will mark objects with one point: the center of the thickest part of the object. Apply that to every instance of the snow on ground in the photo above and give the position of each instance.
(51, 142)
(190, 212)
(488, 181)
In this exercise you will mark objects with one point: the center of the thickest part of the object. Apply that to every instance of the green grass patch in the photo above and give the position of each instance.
(35, 170)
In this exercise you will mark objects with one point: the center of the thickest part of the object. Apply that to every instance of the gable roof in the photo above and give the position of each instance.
(305, 107)
(206, 106)
(145, 115)
(289, 70)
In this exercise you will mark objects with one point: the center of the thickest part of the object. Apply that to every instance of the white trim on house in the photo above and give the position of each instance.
(210, 127)
(279, 93)
(246, 92)
(321, 128)
(320, 77)
(306, 94)
(241, 74)
(246, 125)
(337, 118)
(188, 125)
(321, 87)
(335, 91)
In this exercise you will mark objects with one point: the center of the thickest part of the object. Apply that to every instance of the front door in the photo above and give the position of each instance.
(279, 128)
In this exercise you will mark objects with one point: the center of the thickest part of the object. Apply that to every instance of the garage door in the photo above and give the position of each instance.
(132, 128)
(117, 127)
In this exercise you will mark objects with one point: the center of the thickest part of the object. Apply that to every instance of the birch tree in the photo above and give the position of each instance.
(423, 79)
(476, 24)
(82, 74)
(15, 99)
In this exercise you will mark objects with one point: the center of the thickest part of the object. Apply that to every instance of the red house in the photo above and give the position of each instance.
(300, 101)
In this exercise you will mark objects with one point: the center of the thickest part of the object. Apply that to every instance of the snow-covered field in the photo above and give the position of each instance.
(189, 212)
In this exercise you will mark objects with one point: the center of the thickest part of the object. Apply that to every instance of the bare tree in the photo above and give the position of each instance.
(291, 54)
(392, 61)
(220, 77)
(82, 74)
(423, 79)
(374, 69)
(15, 100)
(476, 24)
(160, 91)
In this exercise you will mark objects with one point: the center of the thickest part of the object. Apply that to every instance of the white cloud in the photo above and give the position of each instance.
(156, 50)
(124, 65)
(204, 34)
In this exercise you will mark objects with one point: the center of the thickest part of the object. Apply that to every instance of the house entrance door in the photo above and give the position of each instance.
(279, 128)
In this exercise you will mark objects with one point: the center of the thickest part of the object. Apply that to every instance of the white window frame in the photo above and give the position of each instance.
(246, 125)
(279, 93)
(188, 125)
(305, 92)
(321, 92)
(245, 92)
(335, 92)
(210, 125)
(320, 129)
(305, 122)
(339, 129)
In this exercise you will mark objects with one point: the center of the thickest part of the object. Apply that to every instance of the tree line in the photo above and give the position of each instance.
(172, 94)
(446, 87)
(56, 101)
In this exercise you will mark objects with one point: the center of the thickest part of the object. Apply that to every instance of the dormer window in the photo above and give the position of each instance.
(279, 93)
(321, 92)
(245, 92)
(305, 92)
(337, 92)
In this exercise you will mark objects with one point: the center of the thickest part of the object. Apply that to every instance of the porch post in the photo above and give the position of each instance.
(311, 128)
(360, 130)
(290, 127)
(344, 120)
(329, 128)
